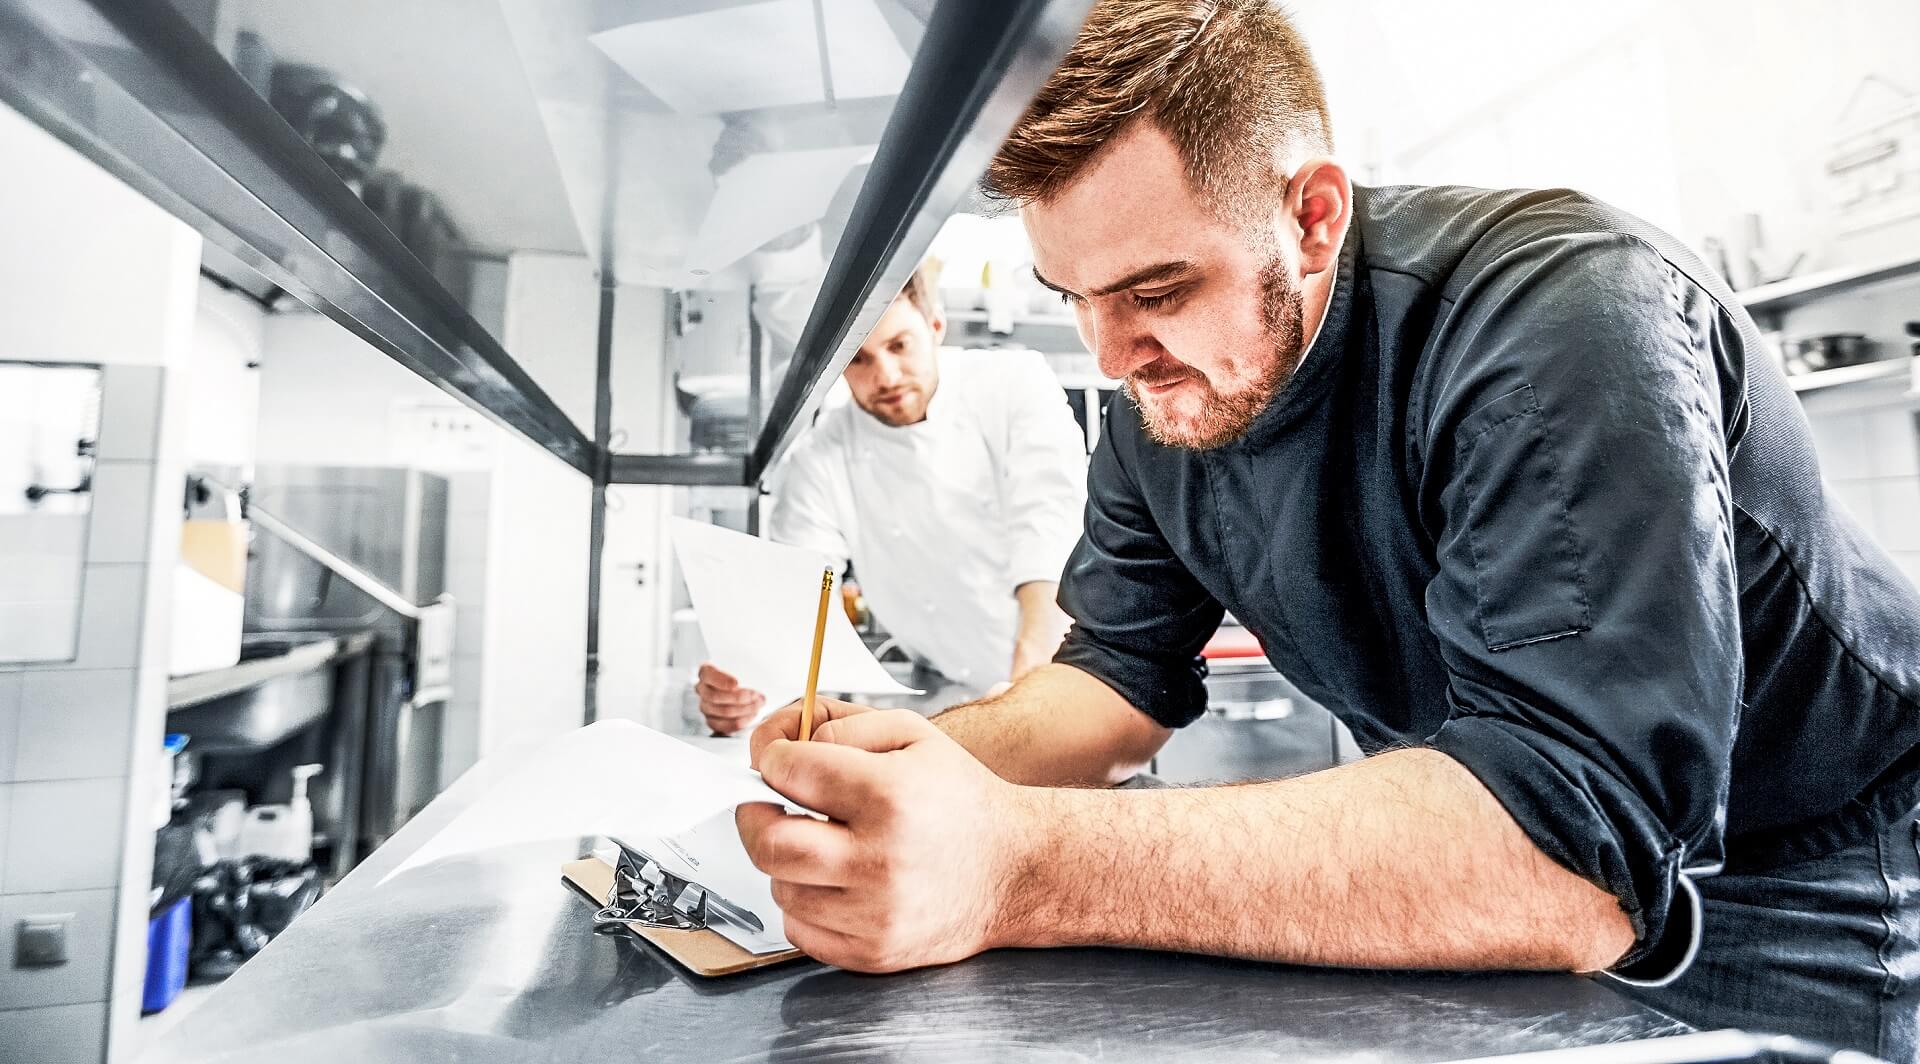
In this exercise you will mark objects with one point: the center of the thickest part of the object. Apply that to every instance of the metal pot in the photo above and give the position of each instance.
(1830, 351)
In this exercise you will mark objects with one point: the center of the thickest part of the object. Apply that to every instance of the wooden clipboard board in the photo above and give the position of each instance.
(704, 953)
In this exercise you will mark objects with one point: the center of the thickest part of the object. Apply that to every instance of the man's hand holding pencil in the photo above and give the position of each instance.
(914, 866)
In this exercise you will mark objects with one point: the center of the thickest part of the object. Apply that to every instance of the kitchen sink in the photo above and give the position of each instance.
(263, 714)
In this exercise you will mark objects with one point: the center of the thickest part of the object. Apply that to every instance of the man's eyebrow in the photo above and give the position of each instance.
(1170, 270)
(875, 340)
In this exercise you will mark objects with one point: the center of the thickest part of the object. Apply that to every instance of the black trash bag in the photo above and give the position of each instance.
(239, 906)
(176, 865)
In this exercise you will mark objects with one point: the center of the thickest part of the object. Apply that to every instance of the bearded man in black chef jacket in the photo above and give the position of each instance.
(1503, 480)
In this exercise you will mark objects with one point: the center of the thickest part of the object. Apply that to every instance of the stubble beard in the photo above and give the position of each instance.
(892, 419)
(1225, 417)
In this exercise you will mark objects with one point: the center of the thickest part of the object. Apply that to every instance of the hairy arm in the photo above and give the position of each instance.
(1403, 861)
(1056, 727)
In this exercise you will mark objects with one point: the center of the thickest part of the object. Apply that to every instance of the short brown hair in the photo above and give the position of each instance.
(1230, 82)
(923, 288)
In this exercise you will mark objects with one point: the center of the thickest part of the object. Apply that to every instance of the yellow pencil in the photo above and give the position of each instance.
(813, 664)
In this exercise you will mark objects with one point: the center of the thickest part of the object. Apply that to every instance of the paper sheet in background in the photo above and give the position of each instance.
(766, 195)
(614, 778)
(710, 854)
(756, 601)
(754, 56)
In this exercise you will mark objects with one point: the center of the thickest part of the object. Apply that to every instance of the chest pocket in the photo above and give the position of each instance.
(1529, 571)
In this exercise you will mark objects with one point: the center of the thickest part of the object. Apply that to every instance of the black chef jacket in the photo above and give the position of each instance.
(1536, 499)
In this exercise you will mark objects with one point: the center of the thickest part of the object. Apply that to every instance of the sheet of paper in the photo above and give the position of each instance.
(766, 195)
(710, 854)
(614, 778)
(756, 601)
(753, 56)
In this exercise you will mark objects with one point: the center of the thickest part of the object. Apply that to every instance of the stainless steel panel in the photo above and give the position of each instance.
(258, 717)
(391, 523)
(488, 958)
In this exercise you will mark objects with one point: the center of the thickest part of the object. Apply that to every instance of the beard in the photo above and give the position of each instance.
(911, 410)
(1225, 416)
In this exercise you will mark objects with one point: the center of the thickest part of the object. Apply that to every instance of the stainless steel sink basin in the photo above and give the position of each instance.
(259, 716)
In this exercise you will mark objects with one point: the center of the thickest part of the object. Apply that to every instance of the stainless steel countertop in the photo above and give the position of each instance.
(489, 958)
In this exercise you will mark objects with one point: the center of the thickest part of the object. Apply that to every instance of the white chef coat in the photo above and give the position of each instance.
(944, 519)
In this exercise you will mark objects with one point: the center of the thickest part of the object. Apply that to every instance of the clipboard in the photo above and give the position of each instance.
(670, 915)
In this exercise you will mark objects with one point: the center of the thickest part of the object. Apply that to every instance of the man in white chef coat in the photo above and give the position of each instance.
(954, 482)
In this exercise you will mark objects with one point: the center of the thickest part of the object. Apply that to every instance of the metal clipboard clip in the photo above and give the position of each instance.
(645, 892)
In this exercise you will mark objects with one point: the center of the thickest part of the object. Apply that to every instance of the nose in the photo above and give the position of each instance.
(887, 371)
(1119, 347)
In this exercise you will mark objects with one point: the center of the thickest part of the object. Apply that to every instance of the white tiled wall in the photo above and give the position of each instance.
(1869, 444)
(74, 724)
(89, 914)
(40, 583)
(91, 273)
(68, 730)
(56, 1032)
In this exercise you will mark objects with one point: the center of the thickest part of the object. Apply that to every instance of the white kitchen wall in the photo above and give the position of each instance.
(222, 381)
(637, 575)
(90, 272)
(1715, 119)
(519, 520)
(1868, 437)
(1689, 114)
(534, 660)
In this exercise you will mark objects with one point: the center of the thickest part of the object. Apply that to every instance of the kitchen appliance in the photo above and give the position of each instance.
(349, 549)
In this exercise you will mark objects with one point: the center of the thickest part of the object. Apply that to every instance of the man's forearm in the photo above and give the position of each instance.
(1401, 861)
(1058, 726)
(1042, 625)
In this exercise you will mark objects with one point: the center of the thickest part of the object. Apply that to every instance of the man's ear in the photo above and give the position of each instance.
(937, 324)
(1320, 202)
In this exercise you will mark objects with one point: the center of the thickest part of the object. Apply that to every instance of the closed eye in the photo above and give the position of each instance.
(1150, 302)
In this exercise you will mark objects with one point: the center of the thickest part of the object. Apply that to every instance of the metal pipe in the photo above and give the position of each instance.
(326, 559)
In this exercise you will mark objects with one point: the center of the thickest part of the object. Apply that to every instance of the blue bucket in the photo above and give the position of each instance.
(168, 937)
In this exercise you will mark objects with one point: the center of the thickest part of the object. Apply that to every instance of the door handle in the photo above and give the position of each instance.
(36, 492)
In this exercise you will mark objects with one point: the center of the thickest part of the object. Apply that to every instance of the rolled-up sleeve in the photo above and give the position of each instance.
(1044, 474)
(1586, 605)
(1139, 616)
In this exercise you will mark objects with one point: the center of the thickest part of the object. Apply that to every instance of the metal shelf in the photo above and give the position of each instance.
(1794, 291)
(1884, 369)
(135, 87)
(132, 85)
(979, 65)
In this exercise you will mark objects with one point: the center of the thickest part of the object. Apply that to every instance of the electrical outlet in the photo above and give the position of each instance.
(42, 941)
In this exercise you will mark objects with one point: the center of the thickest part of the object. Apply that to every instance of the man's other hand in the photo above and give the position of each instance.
(727, 706)
(919, 858)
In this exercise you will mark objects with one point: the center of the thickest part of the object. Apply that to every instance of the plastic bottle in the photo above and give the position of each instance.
(282, 831)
